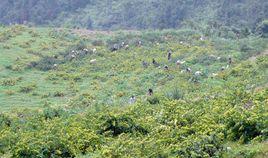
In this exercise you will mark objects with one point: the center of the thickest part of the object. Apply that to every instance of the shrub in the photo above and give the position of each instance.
(45, 64)
(9, 67)
(30, 51)
(57, 138)
(244, 125)
(50, 113)
(97, 43)
(25, 45)
(84, 100)
(64, 76)
(263, 28)
(28, 88)
(14, 67)
(118, 125)
(34, 33)
(203, 146)
(79, 46)
(58, 94)
(6, 46)
(262, 62)
(153, 99)
(245, 48)
(4, 120)
(45, 145)
(175, 94)
(7, 139)
(9, 92)
(10, 81)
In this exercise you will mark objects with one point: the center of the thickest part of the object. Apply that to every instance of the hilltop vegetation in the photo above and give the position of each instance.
(171, 128)
(188, 78)
(66, 93)
(135, 14)
(38, 63)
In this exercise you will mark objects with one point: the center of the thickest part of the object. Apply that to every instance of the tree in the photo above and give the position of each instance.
(263, 28)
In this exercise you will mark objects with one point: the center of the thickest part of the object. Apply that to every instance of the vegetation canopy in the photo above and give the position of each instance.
(184, 78)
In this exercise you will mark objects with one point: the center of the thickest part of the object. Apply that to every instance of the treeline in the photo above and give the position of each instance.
(133, 14)
(36, 11)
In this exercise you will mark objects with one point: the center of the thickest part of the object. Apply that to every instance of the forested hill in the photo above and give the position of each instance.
(134, 14)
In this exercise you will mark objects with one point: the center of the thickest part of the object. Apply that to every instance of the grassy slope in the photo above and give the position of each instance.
(118, 75)
(23, 45)
(115, 76)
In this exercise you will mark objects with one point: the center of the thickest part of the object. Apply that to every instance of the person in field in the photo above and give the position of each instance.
(189, 70)
(166, 68)
(169, 55)
(230, 60)
(132, 99)
(150, 92)
(155, 63)
(115, 48)
(145, 64)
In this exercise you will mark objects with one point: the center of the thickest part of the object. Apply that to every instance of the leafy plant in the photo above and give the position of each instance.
(28, 88)
(119, 125)
(175, 94)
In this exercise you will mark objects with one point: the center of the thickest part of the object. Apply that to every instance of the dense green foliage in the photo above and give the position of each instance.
(134, 14)
(263, 28)
(57, 105)
(37, 63)
(81, 93)
(169, 129)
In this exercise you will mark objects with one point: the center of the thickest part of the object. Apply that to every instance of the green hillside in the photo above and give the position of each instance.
(66, 93)
(134, 78)
(29, 55)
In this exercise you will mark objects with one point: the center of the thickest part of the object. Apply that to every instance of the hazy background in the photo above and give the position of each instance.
(134, 14)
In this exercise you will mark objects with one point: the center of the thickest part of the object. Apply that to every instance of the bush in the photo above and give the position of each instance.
(175, 94)
(97, 43)
(79, 46)
(245, 48)
(58, 94)
(263, 28)
(10, 92)
(204, 146)
(153, 99)
(56, 139)
(28, 88)
(118, 125)
(50, 113)
(4, 120)
(14, 67)
(10, 81)
(45, 64)
(244, 125)
(45, 145)
(84, 100)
